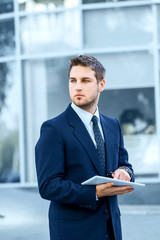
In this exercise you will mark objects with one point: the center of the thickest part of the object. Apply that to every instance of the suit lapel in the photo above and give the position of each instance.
(84, 138)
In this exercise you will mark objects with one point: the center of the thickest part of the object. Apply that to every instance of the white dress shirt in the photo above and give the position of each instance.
(86, 119)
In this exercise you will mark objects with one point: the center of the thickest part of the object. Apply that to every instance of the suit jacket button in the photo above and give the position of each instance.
(106, 212)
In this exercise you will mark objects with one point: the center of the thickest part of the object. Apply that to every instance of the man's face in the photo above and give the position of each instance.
(83, 87)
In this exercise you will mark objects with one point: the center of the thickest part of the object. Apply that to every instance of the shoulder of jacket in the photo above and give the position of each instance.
(55, 122)
(110, 119)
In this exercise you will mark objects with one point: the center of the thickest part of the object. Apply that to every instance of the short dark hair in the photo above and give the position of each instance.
(89, 61)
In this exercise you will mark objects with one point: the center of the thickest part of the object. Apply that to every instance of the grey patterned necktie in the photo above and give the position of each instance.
(100, 142)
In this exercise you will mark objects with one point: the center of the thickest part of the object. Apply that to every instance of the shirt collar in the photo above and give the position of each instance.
(84, 115)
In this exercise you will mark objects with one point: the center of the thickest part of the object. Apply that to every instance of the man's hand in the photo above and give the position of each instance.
(108, 189)
(121, 174)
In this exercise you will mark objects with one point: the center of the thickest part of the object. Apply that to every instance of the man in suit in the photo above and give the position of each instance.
(75, 146)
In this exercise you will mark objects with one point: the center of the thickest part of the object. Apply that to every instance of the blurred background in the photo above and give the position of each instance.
(37, 39)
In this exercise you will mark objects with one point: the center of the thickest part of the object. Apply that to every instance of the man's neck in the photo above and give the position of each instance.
(91, 109)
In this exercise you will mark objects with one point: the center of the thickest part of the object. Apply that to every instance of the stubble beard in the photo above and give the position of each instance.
(87, 105)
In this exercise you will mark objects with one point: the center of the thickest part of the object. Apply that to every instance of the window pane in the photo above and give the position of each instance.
(118, 27)
(42, 5)
(159, 24)
(6, 6)
(52, 32)
(46, 95)
(7, 38)
(9, 128)
(104, 1)
(135, 109)
(128, 69)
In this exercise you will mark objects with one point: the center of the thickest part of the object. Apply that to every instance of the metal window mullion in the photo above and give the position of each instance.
(156, 77)
(7, 59)
(21, 109)
(51, 55)
(81, 27)
(17, 185)
(155, 1)
(5, 16)
(119, 49)
(96, 6)
(135, 86)
(45, 12)
(88, 51)
(91, 6)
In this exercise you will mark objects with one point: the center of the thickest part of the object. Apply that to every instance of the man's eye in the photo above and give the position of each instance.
(85, 80)
(72, 80)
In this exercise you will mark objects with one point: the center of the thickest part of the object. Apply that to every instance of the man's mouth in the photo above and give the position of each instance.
(79, 95)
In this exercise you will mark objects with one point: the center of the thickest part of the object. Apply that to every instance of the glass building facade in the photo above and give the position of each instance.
(37, 39)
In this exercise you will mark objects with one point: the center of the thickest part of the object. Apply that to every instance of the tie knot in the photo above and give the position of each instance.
(94, 119)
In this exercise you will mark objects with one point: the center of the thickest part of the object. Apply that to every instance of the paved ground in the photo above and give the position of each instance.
(23, 216)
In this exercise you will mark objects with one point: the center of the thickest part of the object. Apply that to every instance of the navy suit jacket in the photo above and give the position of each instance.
(65, 157)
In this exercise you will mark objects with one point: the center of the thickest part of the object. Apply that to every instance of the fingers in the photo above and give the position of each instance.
(116, 175)
(121, 174)
(105, 185)
(108, 189)
(108, 185)
(122, 190)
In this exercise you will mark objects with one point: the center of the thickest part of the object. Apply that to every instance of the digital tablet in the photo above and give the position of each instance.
(100, 179)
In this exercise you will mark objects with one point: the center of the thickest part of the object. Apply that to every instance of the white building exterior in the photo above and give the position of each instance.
(37, 39)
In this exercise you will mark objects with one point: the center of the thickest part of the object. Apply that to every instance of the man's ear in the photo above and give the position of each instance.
(101, 85)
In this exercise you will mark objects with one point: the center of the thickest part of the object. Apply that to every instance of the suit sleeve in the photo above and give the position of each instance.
(123, 154)
(50, 167)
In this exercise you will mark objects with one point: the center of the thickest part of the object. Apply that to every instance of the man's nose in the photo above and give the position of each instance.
(78, 87)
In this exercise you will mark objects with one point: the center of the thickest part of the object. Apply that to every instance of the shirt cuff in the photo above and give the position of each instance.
(96, 198)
